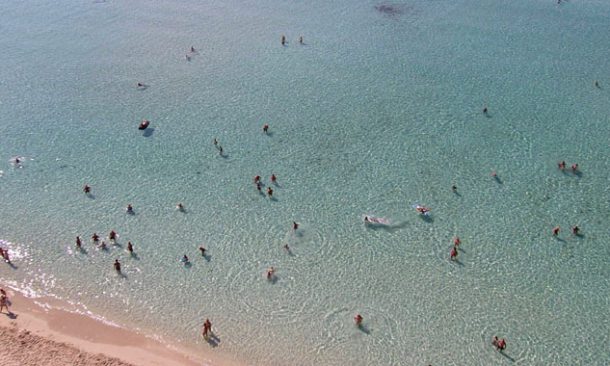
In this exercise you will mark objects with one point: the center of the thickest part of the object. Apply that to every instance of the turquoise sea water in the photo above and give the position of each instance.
(376, 112)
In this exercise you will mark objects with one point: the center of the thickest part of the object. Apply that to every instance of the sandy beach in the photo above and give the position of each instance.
(37, 335)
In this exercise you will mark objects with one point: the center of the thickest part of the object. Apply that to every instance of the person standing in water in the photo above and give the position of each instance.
(117, 266)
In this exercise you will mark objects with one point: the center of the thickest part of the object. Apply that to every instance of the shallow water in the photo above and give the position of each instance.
(378, 111)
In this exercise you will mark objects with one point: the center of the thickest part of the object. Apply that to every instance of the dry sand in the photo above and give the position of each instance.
(36, 335)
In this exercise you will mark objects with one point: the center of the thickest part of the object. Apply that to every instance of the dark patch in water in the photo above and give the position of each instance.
(390, 10)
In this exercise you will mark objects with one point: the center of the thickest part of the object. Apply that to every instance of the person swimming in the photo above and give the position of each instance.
(576, 230)
(130, 247)
(79, 243)
(113, 235)
(358, 320)
(301, 40)
(498, 343)
(457, 241)
(180, 207)
(561, 165)
(295, 225)
(87, 189)
(265, 128)
(556, 230)
(269, 191)
(273, 178)
(130, 209)
(95, 237)
(283, 40)
(117, 265)
(270, 273)
(454, 253)
(202, 250)
(422, 209)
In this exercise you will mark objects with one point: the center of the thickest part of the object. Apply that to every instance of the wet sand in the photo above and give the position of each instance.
(37, 335)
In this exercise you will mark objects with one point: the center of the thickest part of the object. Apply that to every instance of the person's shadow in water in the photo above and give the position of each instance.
(364, 329)
(506, 356)
(212, 339)
(148, 132)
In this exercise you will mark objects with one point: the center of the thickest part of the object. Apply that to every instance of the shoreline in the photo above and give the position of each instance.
(46, 334)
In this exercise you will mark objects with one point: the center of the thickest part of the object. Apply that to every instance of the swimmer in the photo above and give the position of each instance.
(141, 85)
(258, 186)
(457, 241)
(494, 174)
(366, 219)
(283, 40)
(265, 128)
(556, 230)
(87, 189)
(220, 150)
(180, 207)
(193, 49)
(273, 178)
(269, 191)
(287, 247)
(188, 58)
(130, 209)
(117, 266)
(454, 188)
(6, 257)
(576, 230)
(358, 320)
(257, 179)
(485, 110)
(454, 253)
(270, 273)
(301, 40)
(574, 168)
(185, 259)
(79, 243)
(95, 237)
(561, 165)
(499, 343)
(215, 141)
(202, 250)
(130, 247)
(295, 226)
(112, 236)
(596, 84)
(422, 209)
(102, 245)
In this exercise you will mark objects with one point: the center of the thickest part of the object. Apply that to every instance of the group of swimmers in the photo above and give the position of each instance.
(283, 40)
(562, 166)
(259, 184)
(218, 147)
(192, 52)
(454, 251)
